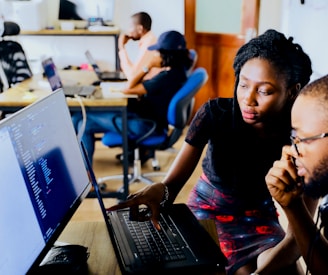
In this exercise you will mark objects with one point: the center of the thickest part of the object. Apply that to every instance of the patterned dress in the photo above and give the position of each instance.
(232, 189)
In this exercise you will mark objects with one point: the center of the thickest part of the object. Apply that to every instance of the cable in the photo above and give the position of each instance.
(84, 118)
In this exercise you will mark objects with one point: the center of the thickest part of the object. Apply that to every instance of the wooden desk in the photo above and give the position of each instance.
(94, 235)
(114, 31)
(35, 88)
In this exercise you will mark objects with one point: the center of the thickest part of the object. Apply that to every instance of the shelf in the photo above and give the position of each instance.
(113, 31)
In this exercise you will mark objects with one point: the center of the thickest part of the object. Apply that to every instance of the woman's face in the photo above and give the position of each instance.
(261, 92)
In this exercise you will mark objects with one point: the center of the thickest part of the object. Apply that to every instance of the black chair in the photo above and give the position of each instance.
(179, 113)
(12, 56)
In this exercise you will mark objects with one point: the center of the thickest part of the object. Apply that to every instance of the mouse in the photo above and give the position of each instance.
(96, 83)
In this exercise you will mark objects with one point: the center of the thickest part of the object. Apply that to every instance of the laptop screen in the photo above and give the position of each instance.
(92, 62)
(52, 74)
(43, 180)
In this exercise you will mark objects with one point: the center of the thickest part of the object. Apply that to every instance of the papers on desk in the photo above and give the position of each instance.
(114, 89)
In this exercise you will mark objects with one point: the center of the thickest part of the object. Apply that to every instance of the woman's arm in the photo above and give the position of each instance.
(181, 169)
(153, 195)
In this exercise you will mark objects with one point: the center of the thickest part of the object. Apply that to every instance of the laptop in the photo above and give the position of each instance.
(105, 75)
(43, 181)
(52, 74)
(189, 249)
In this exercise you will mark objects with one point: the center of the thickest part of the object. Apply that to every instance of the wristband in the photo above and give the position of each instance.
(145, 69)
(166, 195)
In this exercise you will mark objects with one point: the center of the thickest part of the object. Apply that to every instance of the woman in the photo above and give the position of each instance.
(154, 94)
(244, 135)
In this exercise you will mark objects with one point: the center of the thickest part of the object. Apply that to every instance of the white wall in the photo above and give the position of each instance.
(166, 15)
(306, 23)
(270, 15)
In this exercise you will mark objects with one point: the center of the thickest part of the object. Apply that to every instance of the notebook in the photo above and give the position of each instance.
(55, 81)
(106, 75)
(189, 249)
(43, 181)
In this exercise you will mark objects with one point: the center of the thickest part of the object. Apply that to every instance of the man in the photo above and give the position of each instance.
(140, 30)
(303, 170)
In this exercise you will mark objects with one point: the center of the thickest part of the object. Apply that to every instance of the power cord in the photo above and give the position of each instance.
(84, 118)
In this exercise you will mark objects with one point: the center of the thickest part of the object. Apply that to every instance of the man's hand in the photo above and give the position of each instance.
(122, 40)
(282, 181)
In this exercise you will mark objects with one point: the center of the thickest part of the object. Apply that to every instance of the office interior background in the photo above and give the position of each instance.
(305, 22)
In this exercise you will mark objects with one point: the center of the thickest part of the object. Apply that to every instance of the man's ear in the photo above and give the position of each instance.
(140, 29)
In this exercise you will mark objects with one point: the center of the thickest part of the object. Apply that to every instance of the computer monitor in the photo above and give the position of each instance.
(43, 180)
(86, 9)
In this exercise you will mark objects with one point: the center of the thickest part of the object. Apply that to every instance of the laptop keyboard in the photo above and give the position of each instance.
(154, 245)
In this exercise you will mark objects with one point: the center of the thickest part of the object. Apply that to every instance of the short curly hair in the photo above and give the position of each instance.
(287, 57)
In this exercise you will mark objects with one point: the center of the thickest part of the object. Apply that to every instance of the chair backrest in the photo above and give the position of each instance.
(194, 56)
(179, 108)
(12, 57)
(178, 115)
(10, 28)
(181, 105)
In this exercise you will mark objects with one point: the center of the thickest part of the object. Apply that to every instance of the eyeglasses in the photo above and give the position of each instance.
(296, 140)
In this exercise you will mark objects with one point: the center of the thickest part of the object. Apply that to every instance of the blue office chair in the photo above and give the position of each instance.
(12, 56)
(178, 116)
(194, 57)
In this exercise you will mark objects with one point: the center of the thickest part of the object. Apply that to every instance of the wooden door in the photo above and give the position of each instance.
(216, 51)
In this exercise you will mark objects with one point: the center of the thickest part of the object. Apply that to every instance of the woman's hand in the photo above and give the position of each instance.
(282, 181)
(151, 196)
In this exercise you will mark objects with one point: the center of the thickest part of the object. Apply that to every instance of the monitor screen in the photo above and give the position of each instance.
(43, 180)
(85, 9)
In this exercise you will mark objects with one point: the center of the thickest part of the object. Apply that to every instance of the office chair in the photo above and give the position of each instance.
(12, 56)
(178, 116)
(194, 56)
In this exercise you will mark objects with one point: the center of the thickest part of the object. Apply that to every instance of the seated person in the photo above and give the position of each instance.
(303, 170)
(154, 94)
(140, 30)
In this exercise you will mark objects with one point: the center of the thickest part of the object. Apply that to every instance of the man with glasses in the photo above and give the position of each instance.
(302, 172)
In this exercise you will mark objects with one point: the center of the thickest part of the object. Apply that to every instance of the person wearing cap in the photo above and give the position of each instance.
(139, 30)
(154, 95)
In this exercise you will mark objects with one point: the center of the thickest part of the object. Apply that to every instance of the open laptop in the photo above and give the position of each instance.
(105, 75)
(55, 81)
(43, 181)
(189, 249)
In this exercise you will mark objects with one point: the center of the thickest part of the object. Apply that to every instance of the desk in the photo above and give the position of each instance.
(81, 32)
(20, 96)
(94, 235)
